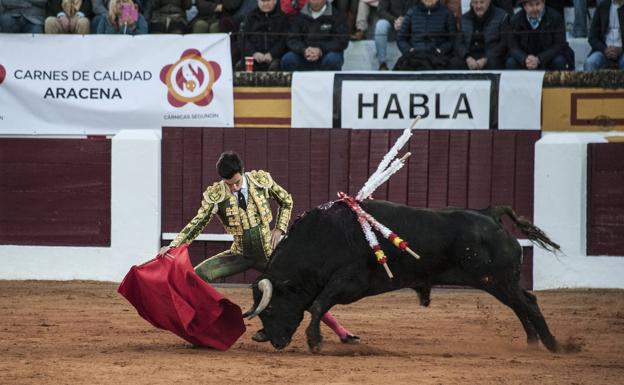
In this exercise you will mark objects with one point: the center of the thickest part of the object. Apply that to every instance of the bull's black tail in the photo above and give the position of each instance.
(534, 233)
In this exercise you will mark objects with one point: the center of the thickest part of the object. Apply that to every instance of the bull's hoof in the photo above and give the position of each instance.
(532, 342)
(315, 349)
(314, 343)
(552, 345)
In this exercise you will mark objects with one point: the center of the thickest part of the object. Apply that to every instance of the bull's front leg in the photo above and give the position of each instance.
(313, 332)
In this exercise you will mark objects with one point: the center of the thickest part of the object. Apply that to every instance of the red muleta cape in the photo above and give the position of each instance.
(168, 293)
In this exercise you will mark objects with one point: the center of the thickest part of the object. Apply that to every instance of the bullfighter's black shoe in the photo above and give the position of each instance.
(350, 339)
(260, 336)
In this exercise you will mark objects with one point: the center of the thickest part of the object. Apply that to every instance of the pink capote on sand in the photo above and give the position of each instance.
(168, 293)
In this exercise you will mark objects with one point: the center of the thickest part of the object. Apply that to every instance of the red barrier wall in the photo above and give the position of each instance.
(605, 199)
(55, 192)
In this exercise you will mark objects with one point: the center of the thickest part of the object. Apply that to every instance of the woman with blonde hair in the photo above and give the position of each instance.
(68, 16)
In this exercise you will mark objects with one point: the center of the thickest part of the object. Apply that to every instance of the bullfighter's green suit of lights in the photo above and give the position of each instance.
(250, 228)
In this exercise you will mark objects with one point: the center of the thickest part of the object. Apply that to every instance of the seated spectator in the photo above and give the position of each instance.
(537, 39)
(481, 44)
(391, 13)
(606, 36)
(361, 19)
(22, 16)
(215, 16)
(123, 17)
(169, 16)
(426, 37)
(68, 16)
(317, 39)
(264, 36)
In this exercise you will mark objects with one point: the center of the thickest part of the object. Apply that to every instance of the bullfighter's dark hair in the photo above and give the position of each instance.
(229, 164)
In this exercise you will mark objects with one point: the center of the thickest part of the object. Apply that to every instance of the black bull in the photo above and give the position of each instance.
(325, 260)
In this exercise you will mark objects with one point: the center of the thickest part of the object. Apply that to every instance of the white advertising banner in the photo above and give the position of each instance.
(99, 84)
(444, 100)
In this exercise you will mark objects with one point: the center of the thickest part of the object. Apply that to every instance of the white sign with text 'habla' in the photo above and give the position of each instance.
(444, 104)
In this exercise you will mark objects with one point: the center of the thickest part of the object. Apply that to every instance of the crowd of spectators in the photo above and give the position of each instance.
(313, 34)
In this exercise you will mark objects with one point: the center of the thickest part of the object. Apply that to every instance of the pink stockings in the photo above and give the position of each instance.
(331, 321)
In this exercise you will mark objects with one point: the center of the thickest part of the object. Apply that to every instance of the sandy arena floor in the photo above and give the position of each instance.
(81, 332)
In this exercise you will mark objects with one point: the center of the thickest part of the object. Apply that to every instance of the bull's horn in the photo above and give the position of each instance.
(266, 288)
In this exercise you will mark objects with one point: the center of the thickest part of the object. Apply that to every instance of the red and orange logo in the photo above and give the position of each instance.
(190, 79)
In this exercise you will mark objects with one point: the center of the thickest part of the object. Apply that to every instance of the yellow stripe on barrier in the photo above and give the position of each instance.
(262, 107)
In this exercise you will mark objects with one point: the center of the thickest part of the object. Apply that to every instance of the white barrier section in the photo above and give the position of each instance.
(560, 209)
(135, 221)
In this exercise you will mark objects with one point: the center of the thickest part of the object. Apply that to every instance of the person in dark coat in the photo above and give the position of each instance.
(537, 40)
(606, 36)
(264, 36)
(426, 37)
(482, 44)
(169, 16)
(317, 39)
(215, 16)
(391, 14)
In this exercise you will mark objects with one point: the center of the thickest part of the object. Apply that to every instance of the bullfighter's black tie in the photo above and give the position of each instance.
(242, 203)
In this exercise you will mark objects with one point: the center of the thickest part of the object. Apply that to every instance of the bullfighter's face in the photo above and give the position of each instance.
(235, 183)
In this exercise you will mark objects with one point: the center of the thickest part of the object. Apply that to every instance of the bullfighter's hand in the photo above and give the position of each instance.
(481, 63)
(268, 57)
(276, 237)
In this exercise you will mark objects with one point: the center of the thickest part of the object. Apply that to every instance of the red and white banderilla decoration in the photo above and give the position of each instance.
(384, 171)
